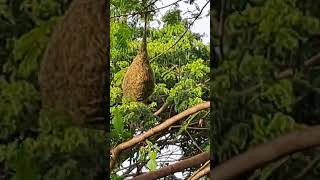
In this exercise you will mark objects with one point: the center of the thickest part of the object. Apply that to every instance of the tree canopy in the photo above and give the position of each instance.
(265, 85)
(181, 73)
(35, 144)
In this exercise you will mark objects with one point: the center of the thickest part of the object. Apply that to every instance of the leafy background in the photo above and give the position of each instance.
(182, 75)
(35, 144)
(262, 38)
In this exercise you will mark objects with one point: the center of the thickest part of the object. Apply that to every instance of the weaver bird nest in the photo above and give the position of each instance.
(73, 71)
(138, 82)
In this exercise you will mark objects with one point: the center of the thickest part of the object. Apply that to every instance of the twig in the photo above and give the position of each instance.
(307, 168)
(195, 143)
(313, 61)
(142, 12)
(163, 107)
(188, 28)
(202, 171)
(193, 128)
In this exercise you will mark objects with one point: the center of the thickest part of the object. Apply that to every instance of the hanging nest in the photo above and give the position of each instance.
(73, 70)
(138, 82)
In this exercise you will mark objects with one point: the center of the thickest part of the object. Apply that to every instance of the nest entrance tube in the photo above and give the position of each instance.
(138, 82)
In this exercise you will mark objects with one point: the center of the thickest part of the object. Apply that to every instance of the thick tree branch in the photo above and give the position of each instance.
(115, 152)
(176, 167)
(262, 154)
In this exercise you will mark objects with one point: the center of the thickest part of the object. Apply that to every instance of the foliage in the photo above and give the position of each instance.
(35, 144)
(261, 39)
(181, 75)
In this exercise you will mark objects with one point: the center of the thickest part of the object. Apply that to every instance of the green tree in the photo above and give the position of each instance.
(35, 144)
(181, 74)
(256, 101)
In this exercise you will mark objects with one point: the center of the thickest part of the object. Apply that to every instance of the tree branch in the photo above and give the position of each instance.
(115, 152)
(176, 167)
(187, 29)
(313, 61)
(262, 154)
(202, 171)
(143, 12)
(163, 107)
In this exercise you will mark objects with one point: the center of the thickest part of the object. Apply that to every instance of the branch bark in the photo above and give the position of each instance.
(202, 171)
(115, 152)
(262, 154)
(176, 167)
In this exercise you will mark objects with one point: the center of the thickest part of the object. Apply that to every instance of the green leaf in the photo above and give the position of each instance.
(25, 166)
(118, 121)
(152, 165)
(153, 155)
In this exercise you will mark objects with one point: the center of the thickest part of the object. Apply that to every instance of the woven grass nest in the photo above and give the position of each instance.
(138, 82)
(73, 70)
